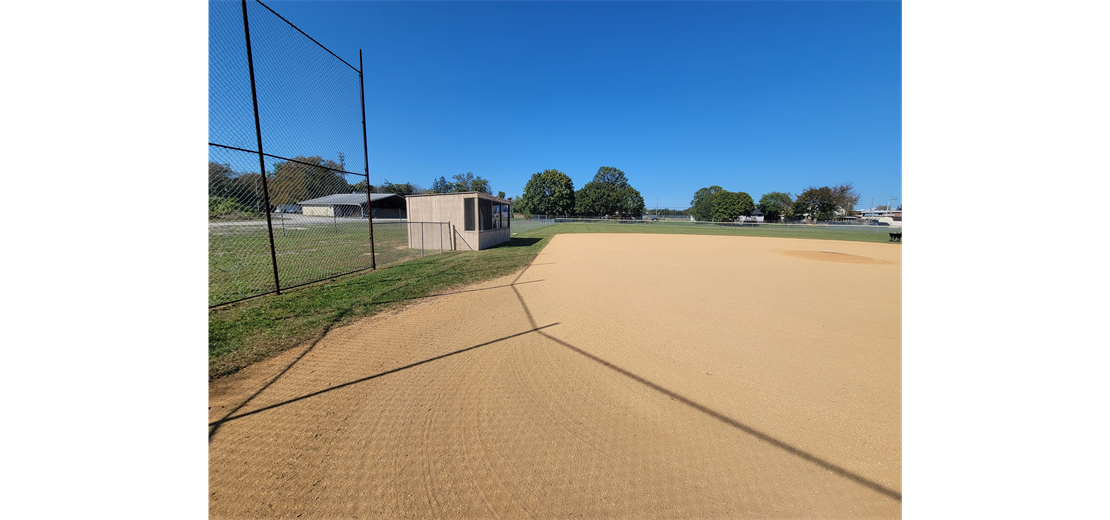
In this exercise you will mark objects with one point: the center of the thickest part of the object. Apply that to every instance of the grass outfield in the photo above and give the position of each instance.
(242, 333)
(822, 232)
(239, 255)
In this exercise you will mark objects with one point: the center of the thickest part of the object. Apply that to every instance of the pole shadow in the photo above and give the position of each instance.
(228, 418)
(791, 449)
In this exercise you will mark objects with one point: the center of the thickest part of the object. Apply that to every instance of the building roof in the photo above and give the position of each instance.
(479, 193)
(348, 199)
(756, 212)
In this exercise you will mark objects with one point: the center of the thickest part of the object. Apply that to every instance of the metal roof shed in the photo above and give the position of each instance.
(475, 220)
(350, 204)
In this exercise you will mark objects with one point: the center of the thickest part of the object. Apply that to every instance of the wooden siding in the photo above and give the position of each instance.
(448, 207)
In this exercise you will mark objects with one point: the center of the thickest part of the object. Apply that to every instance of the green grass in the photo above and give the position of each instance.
(245, 332)
(242, 333)
(239, 256)
(851, 233)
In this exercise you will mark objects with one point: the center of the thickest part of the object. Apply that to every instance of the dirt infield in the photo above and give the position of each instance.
(619, 376)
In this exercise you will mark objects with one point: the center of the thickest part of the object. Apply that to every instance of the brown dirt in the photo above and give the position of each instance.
(620, 376)
(834, 256)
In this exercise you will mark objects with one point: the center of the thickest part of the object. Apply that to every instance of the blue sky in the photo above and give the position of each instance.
(751, 96)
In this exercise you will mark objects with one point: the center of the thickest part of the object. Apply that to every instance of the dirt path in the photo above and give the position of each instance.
(619, 376)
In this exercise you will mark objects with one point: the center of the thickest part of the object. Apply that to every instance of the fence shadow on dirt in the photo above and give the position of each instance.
(760, 435)
(216, 424)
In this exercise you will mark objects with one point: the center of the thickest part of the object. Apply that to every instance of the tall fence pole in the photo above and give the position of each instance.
(261, 156)
(366, 162)
(421, 239)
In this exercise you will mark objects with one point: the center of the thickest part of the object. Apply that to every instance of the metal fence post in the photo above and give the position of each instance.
(421, 239)
(261, 157)
(366, 161)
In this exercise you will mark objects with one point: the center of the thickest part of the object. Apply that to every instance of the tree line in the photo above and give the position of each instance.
(609, 194)
(816, 203)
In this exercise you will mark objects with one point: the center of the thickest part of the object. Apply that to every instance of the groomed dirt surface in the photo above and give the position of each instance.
(619, 376)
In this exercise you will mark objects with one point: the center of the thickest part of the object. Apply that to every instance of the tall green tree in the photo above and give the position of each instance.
(500, 194)
(231, 195)
(609, 194)
(702, 205)
(465, 182)
(305, 178)
(845, 196)
(403, 189)
(219, 179)
(363, 187)
(440, 185)
(816, 203)
(550, 192)
(728, 206)
(775, 205)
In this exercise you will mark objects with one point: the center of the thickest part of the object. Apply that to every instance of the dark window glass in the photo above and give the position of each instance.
(485, 214)
(468, 214)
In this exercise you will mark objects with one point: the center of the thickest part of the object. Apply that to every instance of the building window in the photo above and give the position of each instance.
(468, 214)
(485, 214)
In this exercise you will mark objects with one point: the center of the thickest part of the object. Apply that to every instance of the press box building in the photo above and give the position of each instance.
(475, 220)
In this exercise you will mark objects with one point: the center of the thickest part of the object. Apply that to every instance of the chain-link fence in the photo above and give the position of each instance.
(287, 160)
(521, 225)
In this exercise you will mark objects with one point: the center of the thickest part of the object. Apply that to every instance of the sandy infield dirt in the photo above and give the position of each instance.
(619, 376)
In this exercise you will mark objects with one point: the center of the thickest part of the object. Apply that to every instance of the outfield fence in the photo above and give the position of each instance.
(288, 200)
(521, 225)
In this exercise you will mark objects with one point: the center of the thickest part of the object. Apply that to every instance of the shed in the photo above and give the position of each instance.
(384, 205)
(475, 220)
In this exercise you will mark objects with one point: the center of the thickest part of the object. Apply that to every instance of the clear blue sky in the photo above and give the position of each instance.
(751, 96)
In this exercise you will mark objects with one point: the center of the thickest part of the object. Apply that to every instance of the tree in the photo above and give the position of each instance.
(702, 205)
(816, 203)
(219, 179)
(609, 194)
(440, 185)
(728, 206)
(500, 194)
(363, 187)
(407, 188)
(846, 197)
(233, 193)
(775, 205)
(550, 192)
(465, 182)
(305, 178)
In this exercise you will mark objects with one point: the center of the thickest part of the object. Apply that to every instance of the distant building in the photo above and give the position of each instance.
(383, 205)
(895, 214)
(757, 216)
